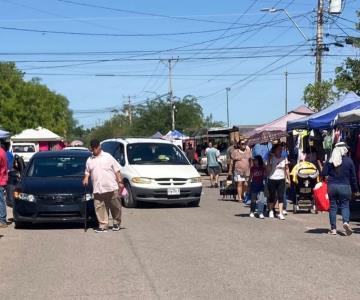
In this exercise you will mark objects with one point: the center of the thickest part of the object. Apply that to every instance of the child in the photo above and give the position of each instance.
(257, 177)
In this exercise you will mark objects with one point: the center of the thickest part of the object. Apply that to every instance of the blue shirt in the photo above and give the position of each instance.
(343, 175)
(10, 159)
(212, 155)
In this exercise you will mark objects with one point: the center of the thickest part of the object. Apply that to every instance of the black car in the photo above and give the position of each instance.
(51, 190)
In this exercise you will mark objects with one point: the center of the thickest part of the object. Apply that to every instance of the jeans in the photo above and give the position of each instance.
(2, 205)
(339, 196)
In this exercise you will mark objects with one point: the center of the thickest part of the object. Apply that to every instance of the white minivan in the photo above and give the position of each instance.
(155, 170)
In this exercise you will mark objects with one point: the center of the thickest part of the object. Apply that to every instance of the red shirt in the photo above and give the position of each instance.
(3, 168)
(258, 174)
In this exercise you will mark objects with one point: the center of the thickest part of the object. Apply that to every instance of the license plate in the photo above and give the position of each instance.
(173, 192)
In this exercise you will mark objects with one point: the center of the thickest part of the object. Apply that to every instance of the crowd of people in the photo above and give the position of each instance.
(264, 180)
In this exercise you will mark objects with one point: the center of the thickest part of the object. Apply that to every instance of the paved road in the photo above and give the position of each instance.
(211, 252)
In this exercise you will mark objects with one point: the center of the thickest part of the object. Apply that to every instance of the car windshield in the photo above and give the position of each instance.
(57, 167)
(23, 148)
(155, 154)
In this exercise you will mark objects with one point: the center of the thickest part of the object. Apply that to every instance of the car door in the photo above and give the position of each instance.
(116, 149)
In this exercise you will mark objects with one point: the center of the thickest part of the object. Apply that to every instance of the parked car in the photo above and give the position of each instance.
(202, 166)
(155, 171)
(51, 190)
(25, 150)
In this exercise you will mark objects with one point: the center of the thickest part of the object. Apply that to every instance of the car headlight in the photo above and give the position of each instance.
(24, 197)
(89, 197)
(141, 180)
(195, 180)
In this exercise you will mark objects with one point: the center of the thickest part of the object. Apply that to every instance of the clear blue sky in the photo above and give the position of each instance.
(260, 47)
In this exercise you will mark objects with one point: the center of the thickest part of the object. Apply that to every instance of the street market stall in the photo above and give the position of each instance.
(43, 138)
(276, 129)
(323, 119)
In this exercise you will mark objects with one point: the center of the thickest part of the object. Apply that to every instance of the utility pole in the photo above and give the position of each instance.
(286, 92)
(129, 110)
(227, 105)
(171, 62)
(319, 39)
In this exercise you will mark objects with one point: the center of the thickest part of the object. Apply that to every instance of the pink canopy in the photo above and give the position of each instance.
(277, 127)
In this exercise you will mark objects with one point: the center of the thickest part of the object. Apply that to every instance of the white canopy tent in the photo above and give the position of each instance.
(348, 117)
(36, 135)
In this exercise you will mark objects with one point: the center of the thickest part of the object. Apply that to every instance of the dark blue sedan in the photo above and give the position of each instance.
(51, 190)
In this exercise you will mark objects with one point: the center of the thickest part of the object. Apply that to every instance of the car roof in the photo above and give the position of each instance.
(62, 153)
(138, 140)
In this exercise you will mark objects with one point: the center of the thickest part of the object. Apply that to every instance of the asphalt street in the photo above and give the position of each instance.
(212, 252)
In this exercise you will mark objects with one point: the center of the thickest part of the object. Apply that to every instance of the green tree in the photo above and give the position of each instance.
(319, 95)
(30, 104)
(348, 74)
(209, 122)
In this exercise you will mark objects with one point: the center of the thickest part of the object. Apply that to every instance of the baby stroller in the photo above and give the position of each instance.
(228, 188)
(304, 177)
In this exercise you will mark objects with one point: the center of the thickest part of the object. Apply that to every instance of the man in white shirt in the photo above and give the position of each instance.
(106, 179)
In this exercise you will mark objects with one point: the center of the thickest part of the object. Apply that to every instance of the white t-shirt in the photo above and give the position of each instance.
(278, 166)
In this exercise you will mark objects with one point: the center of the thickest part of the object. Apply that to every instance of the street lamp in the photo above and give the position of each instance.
(227, 105)
(274, 10)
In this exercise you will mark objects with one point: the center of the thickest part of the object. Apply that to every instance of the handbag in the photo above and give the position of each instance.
(321, 196)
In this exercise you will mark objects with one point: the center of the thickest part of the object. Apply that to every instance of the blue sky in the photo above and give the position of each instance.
(242, 48)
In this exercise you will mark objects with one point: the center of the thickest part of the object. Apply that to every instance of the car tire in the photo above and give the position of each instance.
(194, 203)
(129, 201)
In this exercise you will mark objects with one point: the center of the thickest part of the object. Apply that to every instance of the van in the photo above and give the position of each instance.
(24, 150)
(155, 171)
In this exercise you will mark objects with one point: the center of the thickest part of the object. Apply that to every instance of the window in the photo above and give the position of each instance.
(57, 167)
(119, 154)
(23, 148)
(155, 154)
(110, 147)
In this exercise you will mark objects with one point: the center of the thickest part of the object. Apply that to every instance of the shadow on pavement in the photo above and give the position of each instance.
(1, 236)
(318, 231)
(242, 215)
(56, 226)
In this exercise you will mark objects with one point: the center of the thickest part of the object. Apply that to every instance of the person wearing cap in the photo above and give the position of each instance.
(106, 178)
(342, 182)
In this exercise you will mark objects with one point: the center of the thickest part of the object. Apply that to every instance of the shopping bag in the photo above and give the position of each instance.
(321, 196)
(124, 193)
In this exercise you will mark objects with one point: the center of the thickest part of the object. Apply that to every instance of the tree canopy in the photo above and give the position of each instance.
(155, 115)
(30, 104)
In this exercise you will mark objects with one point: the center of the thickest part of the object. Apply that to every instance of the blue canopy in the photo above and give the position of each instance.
(324, 118)
(4, 134)
(175, 134)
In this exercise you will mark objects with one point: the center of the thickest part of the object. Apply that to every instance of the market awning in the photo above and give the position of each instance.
(349, 117)
(324, 119)
(4, 134)
(36, 135)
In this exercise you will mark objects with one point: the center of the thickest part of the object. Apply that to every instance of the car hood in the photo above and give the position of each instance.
(168, 171)
(53, 185)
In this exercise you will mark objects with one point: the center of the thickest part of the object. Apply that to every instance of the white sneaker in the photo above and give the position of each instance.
(261, 216)
(285, 212)
(252, 215)
(281, 217)
(271, 214)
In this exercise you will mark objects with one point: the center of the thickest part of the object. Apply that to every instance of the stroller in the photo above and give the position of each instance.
(304, 177)
(228, 188)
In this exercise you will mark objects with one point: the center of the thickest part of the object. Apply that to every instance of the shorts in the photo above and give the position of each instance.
(276, 190)
(240, 177)
(214, 171)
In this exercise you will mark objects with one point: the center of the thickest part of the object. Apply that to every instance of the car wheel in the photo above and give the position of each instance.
(194, 203)
(129, 201)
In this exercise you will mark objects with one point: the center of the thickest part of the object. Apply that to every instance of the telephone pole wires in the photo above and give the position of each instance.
(286, 92)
